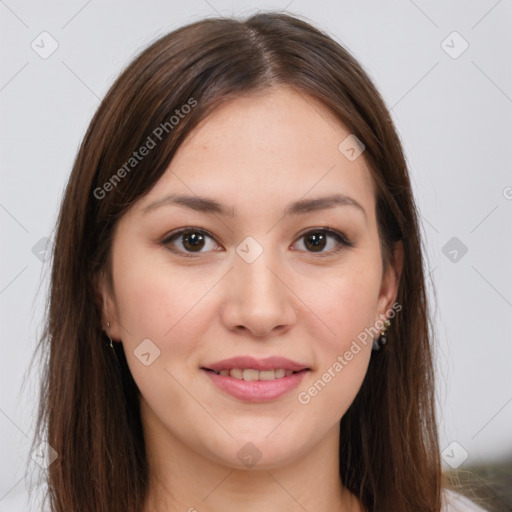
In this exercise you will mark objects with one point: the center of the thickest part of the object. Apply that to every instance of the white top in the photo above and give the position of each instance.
(454, 502)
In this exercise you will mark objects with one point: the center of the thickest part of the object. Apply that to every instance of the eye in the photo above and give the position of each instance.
(192, 240)
(195, 240)
(316, 240)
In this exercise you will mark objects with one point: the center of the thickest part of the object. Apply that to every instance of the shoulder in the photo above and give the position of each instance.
(455, 502)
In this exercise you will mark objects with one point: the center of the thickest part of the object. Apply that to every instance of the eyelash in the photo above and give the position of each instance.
(343, 241)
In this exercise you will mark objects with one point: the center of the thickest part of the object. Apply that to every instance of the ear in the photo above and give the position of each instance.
(391, 280)
(105, 300)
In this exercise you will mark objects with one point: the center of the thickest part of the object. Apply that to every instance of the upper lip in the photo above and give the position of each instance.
(249, 362)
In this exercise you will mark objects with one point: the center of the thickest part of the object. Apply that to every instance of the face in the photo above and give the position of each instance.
(250, 275)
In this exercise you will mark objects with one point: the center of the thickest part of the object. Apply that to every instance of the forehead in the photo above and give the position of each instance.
(268, 148)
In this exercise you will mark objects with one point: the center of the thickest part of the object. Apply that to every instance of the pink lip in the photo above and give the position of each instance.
(259, 390)
(246, 362)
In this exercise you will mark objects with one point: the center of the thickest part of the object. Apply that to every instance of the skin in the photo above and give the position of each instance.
(255, 154)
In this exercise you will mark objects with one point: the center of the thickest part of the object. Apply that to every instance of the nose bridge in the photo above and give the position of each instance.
(255, 270)
(257, 297)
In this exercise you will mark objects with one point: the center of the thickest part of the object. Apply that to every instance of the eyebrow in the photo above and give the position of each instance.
(211, 206)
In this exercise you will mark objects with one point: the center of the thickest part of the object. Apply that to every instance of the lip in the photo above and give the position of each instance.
(268, 363)
(259, 390)
(256, 390)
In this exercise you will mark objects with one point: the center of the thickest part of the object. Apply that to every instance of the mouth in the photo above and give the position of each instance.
(251, 374)
(256, 380)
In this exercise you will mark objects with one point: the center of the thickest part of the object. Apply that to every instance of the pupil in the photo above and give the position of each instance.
(318, 241)
(193, 240)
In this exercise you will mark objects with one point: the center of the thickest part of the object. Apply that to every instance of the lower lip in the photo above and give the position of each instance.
(256, 390)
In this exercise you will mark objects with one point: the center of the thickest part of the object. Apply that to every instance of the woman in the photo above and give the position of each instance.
(237, 242)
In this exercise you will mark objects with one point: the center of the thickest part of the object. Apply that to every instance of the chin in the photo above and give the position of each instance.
(256, 452)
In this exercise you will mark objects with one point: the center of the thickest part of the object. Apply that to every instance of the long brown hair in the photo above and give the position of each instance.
(88, 410)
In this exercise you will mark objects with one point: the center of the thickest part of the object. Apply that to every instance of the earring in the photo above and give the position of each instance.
(108, 328)
(382, 340)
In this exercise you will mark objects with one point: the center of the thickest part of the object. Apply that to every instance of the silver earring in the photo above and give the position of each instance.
(381, 340)
(108, 334)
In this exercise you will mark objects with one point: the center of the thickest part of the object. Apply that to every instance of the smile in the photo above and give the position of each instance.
(252, 374)
(249, 385)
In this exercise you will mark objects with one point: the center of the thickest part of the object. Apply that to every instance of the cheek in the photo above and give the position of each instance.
(164, 306)
(158, 303)
(345, 308)
(343, 350)
(344, 305)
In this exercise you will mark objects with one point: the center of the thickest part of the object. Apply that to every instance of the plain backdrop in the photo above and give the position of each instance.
(444, 71)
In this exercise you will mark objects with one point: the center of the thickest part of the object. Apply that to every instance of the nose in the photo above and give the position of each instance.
(258, 299)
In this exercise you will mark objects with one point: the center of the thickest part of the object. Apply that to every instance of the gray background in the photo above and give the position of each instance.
(453, 113)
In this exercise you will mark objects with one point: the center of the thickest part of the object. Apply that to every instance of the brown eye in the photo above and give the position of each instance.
(188, 241)
(193, 241)
(316, 241)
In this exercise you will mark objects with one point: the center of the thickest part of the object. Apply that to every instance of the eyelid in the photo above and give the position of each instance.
(341, 238)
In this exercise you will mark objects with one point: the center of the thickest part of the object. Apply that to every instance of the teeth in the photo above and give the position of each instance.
(265, 374)
(236, 373)
(250, 374)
